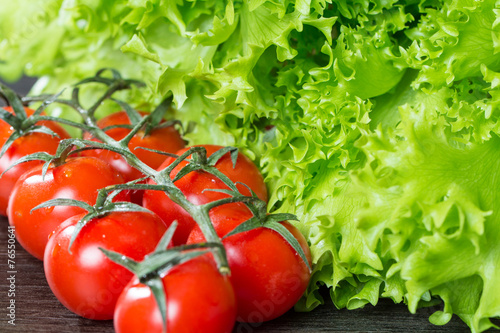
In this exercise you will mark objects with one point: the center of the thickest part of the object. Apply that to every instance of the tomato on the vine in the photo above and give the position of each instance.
(25, 145)
(267, 274)
(195, 187)
(199, 299)
(167, 139)
(78, 178)
(85, 280)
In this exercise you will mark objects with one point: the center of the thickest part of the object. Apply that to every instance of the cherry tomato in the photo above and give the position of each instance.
(267, 274)
(195, 184)
(25, 145)
(79, 178)
(199, 299)
(166, 139)
(85, 281)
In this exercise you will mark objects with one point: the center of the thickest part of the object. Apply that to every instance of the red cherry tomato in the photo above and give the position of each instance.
(195, 184)
(267, 274)
(85, 281)
(79, 178)
(166, 139)
(28, 144)
(199, 299)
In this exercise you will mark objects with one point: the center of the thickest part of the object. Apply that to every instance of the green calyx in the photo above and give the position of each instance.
(64, 150)
(103, 206)
(19, 120)
(260, 219)
(154, 266)
(200, 162)
(154, 119)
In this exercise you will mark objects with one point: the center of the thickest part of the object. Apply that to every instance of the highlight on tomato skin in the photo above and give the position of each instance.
(199, 299)
(84, 280)
(78, 178)
(167, 139)
(25, 145)
(195, 187)
(267, 274)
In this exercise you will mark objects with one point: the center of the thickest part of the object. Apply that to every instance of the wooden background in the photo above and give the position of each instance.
(37, 310)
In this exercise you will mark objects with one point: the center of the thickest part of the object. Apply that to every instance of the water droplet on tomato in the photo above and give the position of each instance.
(48, 210)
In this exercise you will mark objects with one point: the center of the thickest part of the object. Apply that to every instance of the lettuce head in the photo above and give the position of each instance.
(375, 122)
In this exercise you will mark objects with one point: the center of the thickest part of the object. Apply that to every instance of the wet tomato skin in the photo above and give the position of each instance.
(267, 274)
(84, 280)
(167, 139)
(78, 178)
(199, 299)
(195, 187)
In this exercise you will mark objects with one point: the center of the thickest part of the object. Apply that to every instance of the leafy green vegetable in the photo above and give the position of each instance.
(375, 122)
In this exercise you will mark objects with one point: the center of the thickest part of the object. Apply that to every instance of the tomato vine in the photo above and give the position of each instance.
(197, 159)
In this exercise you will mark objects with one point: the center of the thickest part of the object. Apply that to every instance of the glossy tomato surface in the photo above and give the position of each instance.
(85, 281)
(25, 145)
(195, 184)
(199, 299)
(267, 274)
(166, 139)
(78, 178)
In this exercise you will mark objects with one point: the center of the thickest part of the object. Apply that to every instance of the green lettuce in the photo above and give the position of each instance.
(375, 122)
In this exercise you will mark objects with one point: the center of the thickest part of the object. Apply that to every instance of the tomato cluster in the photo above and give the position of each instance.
(60, 217)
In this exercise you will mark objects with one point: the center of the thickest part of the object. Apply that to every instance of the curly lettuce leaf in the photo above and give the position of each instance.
(432, 209)
(376, 122)
(454, 41)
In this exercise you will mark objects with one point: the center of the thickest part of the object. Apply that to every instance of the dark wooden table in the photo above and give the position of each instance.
(37, 309)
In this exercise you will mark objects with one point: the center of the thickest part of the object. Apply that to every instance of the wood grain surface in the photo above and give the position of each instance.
(37, 310)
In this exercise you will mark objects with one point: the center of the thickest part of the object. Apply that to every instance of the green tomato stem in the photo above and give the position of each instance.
(199, 213)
